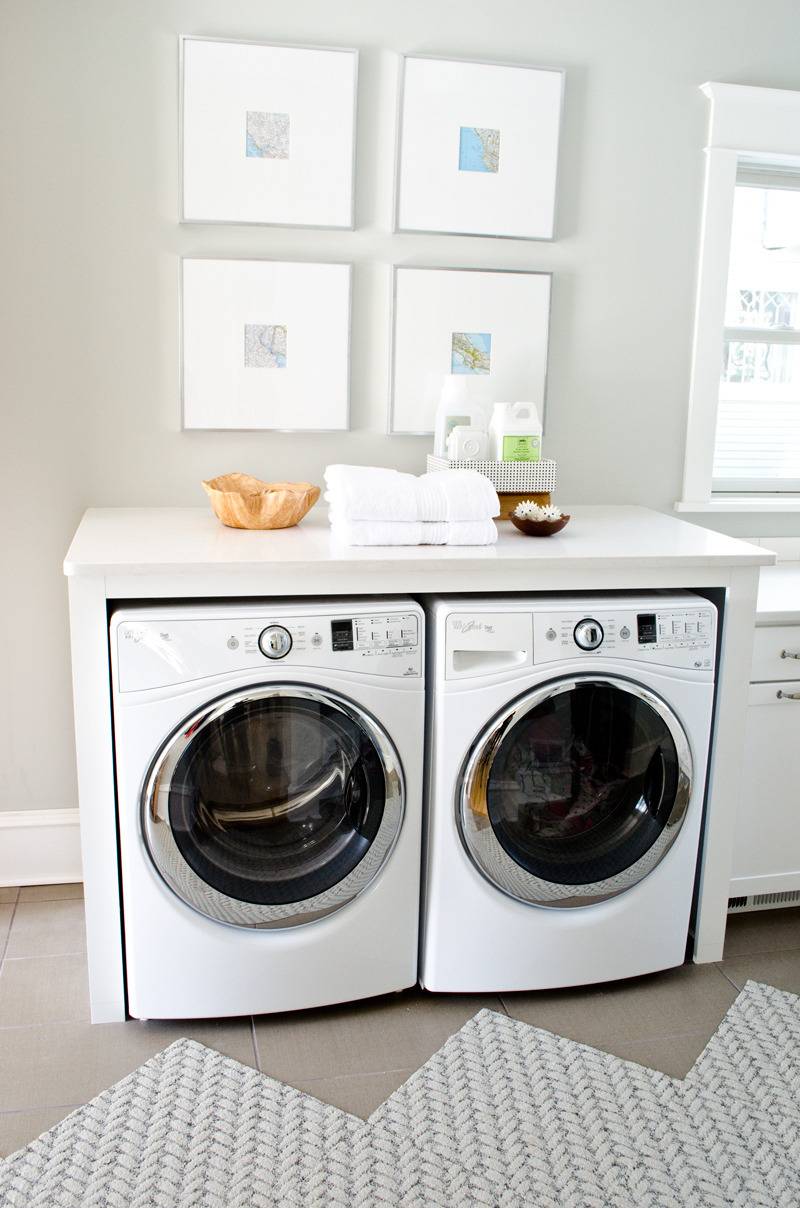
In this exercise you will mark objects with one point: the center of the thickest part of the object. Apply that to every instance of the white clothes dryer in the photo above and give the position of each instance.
(269, 779)
(569, 740)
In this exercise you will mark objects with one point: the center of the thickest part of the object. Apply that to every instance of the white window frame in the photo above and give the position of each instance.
(752, 125)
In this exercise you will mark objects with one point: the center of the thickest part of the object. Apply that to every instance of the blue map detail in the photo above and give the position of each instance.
(471, 352)
(478, 149)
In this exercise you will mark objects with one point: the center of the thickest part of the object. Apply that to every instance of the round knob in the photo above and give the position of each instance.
(588, 634)
(275, 641)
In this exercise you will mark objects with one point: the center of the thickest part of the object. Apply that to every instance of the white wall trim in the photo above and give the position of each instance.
(772, 504)
(762, 121)
(39, 847)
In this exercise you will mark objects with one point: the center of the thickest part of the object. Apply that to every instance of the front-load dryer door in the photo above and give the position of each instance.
(575, 792)
(274, 806)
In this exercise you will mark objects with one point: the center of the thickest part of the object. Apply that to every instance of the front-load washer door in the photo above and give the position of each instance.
(274, 806)
(575, 792)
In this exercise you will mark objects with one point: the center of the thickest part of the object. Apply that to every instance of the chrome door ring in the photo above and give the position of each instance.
(477, 834)
(190, 888)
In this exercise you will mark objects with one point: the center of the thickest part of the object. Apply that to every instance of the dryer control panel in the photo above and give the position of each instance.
(672, 636)
(154, 651)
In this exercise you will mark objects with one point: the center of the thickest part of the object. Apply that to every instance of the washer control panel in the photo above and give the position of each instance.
(682, 636)
(378, 633)
(157, 650)
(674, 630)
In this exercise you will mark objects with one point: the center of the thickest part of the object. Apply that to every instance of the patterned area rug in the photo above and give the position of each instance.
(504, 1115)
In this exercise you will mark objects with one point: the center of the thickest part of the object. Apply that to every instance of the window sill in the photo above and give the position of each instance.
(741, 503)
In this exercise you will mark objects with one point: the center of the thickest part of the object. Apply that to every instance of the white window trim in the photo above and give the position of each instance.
(754, 123)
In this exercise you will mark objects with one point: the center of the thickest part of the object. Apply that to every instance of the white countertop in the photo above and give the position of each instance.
(184, 541)
(779, 595)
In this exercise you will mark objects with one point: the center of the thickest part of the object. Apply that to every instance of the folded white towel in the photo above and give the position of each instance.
(374, 493)
(411, 532)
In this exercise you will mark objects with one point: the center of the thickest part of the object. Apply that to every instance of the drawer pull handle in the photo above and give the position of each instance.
(788, 695)
(790, 654)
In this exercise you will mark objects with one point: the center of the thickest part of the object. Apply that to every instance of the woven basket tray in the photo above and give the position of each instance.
(507, 477)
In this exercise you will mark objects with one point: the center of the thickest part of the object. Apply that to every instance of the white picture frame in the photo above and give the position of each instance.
(267, 133)
(477, 148)
(501, 318)
(265, 345)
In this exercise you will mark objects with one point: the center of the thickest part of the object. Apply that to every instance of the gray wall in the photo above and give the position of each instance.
(88, 206)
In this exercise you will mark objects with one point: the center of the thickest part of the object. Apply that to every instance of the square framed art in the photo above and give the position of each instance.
(265, 345)
(488, 326)
(267, 133)
(477, 148)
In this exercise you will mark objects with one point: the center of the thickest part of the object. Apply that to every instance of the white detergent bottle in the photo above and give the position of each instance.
(515, 432)
(454, 410)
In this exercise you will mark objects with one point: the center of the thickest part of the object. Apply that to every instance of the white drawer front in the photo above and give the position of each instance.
(776, 653)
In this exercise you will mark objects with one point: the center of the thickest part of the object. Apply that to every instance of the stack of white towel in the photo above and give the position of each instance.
(373, 506)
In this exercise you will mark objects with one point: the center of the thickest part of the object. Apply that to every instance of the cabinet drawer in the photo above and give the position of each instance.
(773, 651)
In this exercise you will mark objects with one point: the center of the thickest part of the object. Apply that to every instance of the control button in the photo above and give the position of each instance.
(316, 639)
(275, 641)
(588, 634)
(233, 643)
(624, 633)
(551, 635)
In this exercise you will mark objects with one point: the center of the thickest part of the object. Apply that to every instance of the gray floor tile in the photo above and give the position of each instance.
(673, 1055)
(6, 914)
(50, 893)
(762, 931)
(47, 929)
(8, 893)
(693, 998)
(72, 1062)
(397, 1032)
(781, 969)
(43, 989)
(19, 1128)
(358, 1094)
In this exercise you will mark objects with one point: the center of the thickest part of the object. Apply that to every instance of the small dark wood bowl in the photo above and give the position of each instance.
(538, 528)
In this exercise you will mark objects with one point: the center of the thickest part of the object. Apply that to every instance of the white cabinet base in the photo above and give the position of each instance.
(766, 854)
(182, 553)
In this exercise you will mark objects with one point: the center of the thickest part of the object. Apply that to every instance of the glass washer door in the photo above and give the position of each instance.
(274, 806)
(575, 792)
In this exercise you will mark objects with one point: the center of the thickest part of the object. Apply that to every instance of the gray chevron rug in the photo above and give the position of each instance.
(504, 1115)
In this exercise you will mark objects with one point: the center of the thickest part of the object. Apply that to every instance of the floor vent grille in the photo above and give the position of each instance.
(763, 901)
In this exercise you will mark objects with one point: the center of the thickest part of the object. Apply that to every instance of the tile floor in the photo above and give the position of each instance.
(52, 1059)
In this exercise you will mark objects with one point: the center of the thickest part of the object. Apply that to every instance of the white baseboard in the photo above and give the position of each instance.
(39, 847)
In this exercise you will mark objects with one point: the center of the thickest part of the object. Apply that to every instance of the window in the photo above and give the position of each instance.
(757, 442)
(743, 427)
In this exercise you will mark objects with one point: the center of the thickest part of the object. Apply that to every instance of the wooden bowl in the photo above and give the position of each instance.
(539, 528)
(248, 503)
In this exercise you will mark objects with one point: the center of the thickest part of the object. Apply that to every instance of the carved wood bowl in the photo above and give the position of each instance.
(241, 501)
(539, 528)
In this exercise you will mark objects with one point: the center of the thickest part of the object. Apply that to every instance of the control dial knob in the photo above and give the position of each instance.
(588, 634)
(275, 641)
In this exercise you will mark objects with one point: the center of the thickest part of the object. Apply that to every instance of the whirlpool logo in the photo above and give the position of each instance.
(473, 626)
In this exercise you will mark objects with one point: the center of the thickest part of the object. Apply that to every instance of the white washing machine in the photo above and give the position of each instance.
(269, 778)
(569, 741)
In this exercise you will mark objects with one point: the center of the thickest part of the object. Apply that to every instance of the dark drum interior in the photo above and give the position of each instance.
(278, 799)
(583, 785)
